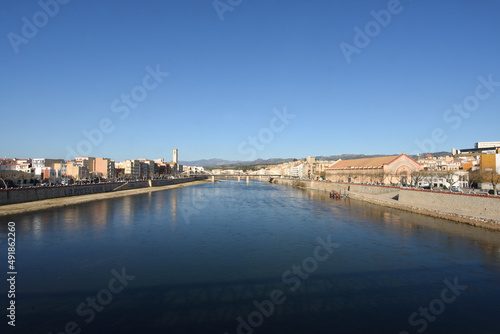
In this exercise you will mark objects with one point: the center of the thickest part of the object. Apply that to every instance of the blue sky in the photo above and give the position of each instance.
(228, 79)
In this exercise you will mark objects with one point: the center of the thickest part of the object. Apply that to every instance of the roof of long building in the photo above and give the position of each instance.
(377, 162)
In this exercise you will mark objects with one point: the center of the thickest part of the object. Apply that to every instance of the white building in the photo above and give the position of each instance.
(459, 179)
(487, 144)
(193, 169)
(46, 173)
(43, 162)
(299, 171)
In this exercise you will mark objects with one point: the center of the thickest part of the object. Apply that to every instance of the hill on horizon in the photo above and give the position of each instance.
(215, 162)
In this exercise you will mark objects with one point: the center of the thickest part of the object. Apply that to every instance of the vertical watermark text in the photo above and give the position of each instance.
(277, 123)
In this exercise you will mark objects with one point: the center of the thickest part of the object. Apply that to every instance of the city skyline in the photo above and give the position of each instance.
(241, 82)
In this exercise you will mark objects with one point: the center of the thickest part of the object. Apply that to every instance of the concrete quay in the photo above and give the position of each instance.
(469, 209)
(27, 196)
(21, 208)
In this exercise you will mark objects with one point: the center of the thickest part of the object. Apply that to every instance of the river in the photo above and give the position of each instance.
(231, 257)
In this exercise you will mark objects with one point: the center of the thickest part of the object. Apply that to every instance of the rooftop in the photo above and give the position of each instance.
(365, 162)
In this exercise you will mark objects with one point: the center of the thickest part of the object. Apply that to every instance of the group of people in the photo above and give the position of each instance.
(334, 194)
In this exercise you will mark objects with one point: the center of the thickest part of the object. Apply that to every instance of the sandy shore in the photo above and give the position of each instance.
(12, 209)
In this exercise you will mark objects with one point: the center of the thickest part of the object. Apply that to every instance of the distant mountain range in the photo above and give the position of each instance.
(274, 161)
(221, 162)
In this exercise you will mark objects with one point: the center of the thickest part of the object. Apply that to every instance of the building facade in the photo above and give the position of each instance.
(76, 171)
(104, 167)
(395, 169)
(490, 163)
(487, 144)
(132, 168)
(43, 162)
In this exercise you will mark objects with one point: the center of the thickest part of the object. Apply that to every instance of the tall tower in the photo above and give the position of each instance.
(176, 156)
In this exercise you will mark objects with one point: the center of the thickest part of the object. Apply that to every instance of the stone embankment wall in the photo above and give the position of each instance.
(21, 195)
(341, 187)
(476, 205)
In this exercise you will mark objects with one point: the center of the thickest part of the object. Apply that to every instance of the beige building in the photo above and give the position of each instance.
(319, 168)
(176, 156)
(105, 167)
(76, 171)
(386, 170)
(147, 169)
(162, 167)
(132, 168)
(174, 165)
(88, 162)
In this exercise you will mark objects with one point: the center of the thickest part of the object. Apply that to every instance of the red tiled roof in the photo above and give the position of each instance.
(377, 162)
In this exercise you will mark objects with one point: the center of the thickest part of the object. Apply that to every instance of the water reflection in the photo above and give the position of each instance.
(203, 254)
(166, 206)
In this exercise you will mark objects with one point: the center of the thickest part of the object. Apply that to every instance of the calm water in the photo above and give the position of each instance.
(210, 258)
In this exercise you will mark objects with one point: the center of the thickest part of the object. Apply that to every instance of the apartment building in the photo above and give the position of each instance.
(44, 162)
(76, 171)
(148, 168)
(104, 167)
(487, 144)
(61, 167)
(132, 168)
(490, 163)
(88, 162)
(10, 167)
(299, 171)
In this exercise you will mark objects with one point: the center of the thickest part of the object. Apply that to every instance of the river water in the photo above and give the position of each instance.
(234, 257)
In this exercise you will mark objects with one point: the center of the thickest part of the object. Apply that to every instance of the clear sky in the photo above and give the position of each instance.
(342, 79)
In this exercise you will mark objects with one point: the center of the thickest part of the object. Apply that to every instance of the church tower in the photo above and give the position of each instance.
(176, 156)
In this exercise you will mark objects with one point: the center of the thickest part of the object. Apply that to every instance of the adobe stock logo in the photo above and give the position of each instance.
(265, 136)
(195, 203)
(222, 6)
(372, 29)
(460, 111)
(293, 279)
(40, 19)
(436, 307)
(122, 106)
(98, 302)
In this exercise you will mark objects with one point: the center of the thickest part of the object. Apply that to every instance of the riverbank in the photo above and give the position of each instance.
(32, 194)
(473, 210)
(485, 221)
(20, 208)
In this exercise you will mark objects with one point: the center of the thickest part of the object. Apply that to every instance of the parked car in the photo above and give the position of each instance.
(456, 189)
(492, 192)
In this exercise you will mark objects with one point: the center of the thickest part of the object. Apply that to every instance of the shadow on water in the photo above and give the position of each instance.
(382, 300)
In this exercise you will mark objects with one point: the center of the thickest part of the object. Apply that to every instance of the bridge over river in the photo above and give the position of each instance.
(243, 177)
